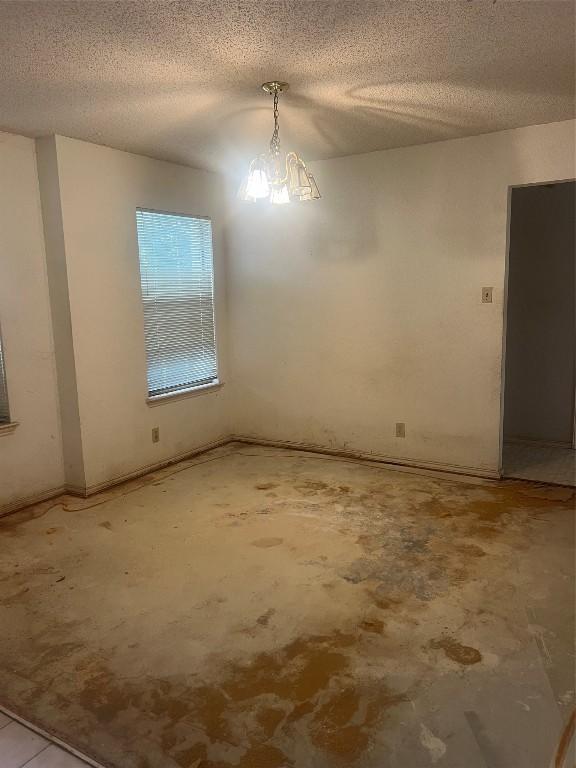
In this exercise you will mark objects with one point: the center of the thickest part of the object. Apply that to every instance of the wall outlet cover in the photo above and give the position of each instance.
(400, 429)
(487, 295)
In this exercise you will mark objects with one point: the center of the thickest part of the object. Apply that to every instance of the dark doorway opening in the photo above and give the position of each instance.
(539, 383)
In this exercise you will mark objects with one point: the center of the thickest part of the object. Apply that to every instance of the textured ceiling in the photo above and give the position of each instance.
(180, 80)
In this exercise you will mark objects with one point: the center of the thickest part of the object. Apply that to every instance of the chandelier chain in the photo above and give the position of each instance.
(275, 140)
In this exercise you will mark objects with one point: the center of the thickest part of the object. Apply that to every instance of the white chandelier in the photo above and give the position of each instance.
(276, 178)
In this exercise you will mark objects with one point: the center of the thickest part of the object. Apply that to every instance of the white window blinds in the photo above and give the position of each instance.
(4, 412)
(176, 273)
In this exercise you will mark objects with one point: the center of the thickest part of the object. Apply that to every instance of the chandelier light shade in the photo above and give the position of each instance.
(273, 176)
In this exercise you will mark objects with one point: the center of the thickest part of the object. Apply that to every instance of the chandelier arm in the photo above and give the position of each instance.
(290, 156)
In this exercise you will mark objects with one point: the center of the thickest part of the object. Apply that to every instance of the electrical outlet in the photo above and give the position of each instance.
(155, 434)
(400, 429)
(487, 295)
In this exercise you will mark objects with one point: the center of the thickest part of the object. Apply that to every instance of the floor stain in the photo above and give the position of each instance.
(462, 654)
(264, 620)
(15, 597)
(12, 524)
(306, 682)
(332, 661)
(372, 625)
(264, 543)
(263, 756)
(270, 718)
(311, 486)
(471, 550)
(296, 673)
(344, 725)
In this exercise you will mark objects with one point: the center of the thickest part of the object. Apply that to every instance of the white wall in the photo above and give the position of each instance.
(346, 315)
(30, 456)
(541, 316)
(100, 189)
(57, 269)
(364, 308)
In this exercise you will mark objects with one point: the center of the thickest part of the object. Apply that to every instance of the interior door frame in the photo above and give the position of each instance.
(511, 188)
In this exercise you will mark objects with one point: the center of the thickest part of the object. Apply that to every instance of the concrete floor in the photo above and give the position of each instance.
(263, 608)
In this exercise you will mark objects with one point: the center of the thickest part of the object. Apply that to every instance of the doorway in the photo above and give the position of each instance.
(540, 351)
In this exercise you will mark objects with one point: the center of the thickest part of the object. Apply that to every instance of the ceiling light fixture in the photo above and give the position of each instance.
(276, 178)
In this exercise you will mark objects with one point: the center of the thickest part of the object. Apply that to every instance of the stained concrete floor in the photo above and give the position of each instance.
(263, 608)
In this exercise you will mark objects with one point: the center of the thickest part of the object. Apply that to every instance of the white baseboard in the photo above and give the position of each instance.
(537, 443)
(84, 492)
(394, 461)
(28, 501)
(90, 490)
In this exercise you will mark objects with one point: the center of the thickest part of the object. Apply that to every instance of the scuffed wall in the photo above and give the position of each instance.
(363, 309)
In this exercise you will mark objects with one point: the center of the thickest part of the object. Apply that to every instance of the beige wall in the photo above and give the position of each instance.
(541, 315)
(364, 309)
(345, 315)
(31, 456)
(57, 269)
(100, 189)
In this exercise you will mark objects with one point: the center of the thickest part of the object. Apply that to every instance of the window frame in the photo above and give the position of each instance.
(6, 427)
(197, 389)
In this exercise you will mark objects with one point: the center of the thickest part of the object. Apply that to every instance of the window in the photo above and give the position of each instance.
(176, 275)
(4, 412)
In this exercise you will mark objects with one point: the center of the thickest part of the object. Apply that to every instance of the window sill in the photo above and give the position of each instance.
(7, 429)
(184, 393)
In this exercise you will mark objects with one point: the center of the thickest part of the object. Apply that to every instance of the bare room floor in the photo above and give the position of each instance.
(264, 608)
(542, 463)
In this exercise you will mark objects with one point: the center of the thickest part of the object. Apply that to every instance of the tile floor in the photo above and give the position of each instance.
(542, 463)
(20, 746)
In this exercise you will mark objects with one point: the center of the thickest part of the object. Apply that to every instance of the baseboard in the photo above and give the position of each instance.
(28, 501)
(537, 443)
(90, 490)
(392, 461)
(84, 492)
(436, 466)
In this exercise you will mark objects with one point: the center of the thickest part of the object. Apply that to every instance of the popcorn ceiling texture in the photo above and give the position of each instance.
(180, 80)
